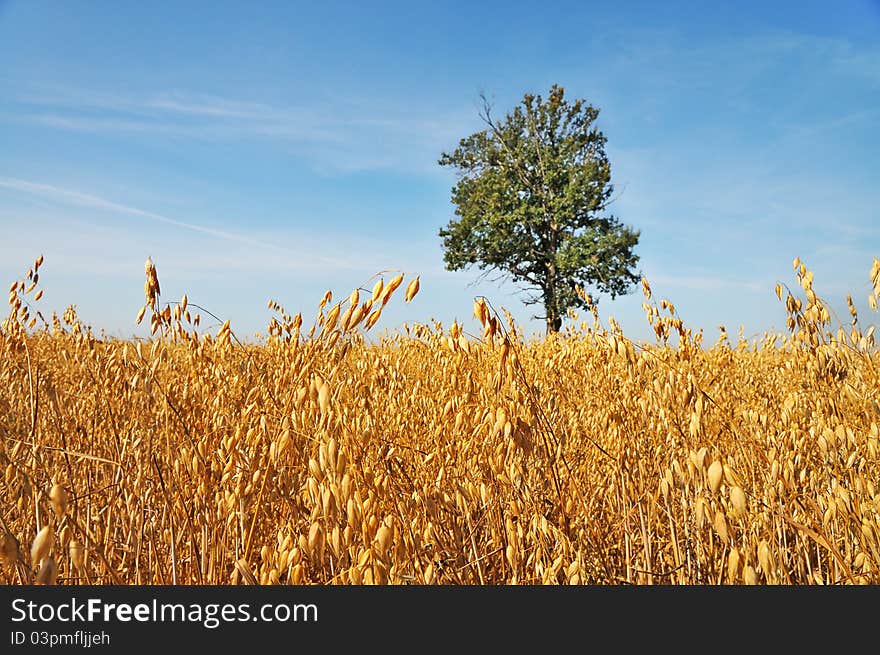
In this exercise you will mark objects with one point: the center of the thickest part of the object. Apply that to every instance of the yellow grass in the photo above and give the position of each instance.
(434, 456)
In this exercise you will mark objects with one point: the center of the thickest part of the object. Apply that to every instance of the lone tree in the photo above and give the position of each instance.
(531, 201)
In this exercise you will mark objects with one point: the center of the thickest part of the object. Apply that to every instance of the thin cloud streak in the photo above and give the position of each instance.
(704, 283)
(173, 103)
(95, 202)
(343, 139)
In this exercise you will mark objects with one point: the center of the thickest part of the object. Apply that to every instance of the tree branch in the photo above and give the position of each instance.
(487, 118)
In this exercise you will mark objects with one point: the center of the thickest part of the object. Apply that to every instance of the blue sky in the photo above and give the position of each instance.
(277, 150)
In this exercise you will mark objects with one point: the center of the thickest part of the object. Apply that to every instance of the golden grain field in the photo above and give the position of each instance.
(432, 456)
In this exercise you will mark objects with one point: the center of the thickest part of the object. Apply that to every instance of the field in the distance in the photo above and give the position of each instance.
(433, 457)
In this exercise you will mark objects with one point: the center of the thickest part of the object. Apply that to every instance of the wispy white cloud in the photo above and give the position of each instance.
(77, 198)
(730, 76)
(150, 104)
(98, 124)
(208, 106)
(701, 282)
(344, 137)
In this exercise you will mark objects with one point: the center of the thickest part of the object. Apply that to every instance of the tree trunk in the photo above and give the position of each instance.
(554, 320)
(551, 311)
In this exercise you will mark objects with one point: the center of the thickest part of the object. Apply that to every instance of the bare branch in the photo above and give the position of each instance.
(605, 206)
(486, 116)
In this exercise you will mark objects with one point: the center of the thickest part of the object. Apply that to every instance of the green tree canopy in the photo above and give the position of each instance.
(531, 204)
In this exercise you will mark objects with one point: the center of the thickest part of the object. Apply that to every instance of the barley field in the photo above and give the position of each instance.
(330, 454)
